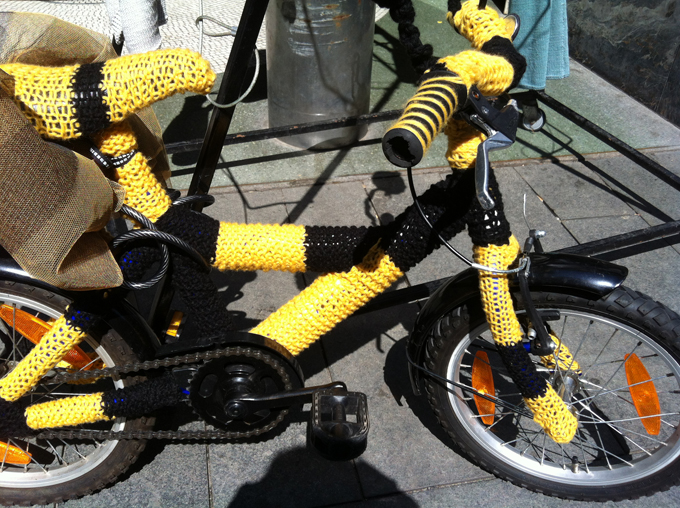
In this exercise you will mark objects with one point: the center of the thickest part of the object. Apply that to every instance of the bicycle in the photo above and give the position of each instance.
(475, 374)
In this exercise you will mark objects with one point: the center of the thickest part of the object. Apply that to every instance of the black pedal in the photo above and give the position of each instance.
(339, 423)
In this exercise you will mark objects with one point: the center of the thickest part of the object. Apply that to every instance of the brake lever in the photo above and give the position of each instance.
(500, 127)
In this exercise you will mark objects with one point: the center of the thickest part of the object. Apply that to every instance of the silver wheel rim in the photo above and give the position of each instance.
(71, 460)
(611, 408)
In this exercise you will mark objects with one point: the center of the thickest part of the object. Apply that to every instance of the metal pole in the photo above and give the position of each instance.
(232, 84)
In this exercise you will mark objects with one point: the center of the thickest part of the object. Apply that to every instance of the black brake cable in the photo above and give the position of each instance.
(472, 264)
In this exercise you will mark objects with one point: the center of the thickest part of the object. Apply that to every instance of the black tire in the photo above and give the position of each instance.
(74, 468)
(613, 456)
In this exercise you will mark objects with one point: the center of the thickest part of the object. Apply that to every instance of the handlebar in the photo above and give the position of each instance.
(494, 67)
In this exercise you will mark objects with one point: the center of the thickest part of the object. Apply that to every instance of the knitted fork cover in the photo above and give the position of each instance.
(548, 409)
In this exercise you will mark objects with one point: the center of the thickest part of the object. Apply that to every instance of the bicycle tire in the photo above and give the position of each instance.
(515, 448)
(76, 468)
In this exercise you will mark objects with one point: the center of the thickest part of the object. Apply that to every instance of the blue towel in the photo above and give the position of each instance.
(543, 40)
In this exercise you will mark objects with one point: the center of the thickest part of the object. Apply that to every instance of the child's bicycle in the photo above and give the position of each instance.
(541, 367)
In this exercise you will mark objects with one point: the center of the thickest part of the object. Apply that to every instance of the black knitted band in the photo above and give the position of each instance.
(487, 227)
(79, 319)
(198, 292)
(403, 13)
(408, 240)
(139, 400)
(197, 229)
(454, 6)
(13, 420)
(88, 98)
(336, 249)
(135, 262)
(522, 371)
(503, 47)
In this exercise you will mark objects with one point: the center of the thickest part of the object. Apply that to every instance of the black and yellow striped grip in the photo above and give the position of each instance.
(439, 96)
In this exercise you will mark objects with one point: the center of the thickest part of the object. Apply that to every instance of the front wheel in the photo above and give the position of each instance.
(625, 394)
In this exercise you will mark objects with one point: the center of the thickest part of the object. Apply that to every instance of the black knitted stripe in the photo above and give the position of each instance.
(139, 400)
(432, 116)
(13, 420)
(503, 47)
(408, 240)
(335, 248)
(522, 371)
(197, 229)
(91, 112)
(454, 6)
(135, 262)
(79, 319)
(487, 227)
(403, 13)
(434, 101)
(455, 92)
(198, 292)
(417, 114)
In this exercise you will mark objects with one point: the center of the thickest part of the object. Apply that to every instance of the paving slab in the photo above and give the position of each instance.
(478, 495)
(368, 352)
(164, 475)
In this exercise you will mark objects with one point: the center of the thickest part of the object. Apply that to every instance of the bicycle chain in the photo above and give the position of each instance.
(178, 435)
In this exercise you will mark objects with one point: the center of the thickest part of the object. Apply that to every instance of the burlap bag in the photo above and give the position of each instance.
(54, 202)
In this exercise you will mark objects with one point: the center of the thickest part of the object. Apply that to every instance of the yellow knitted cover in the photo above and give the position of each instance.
(327, 301)
(550, 412)
(463, 142)
(492, 74)
(131, 83)
(495, 290)
(49, 352)
(561, 355)
(70, 411)
(260, 247)
(143, 191)
(479, 26)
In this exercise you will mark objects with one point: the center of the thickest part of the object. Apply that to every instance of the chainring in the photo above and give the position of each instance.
(245, 371)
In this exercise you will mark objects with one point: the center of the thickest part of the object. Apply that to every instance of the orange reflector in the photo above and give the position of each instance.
(482, 381)
(643, 394)
(12, 455)
(33, 328)
(175, 322)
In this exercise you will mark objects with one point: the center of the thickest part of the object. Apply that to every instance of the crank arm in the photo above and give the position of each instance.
(249, 404)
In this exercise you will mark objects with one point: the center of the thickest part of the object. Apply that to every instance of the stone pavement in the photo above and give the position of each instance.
(574, 189)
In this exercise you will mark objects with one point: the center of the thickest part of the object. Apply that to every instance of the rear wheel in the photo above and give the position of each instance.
(628, 441)
(61, 469)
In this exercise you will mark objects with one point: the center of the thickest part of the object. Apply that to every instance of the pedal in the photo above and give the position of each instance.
(339, 423)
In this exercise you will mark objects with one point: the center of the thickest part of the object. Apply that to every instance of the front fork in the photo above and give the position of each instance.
(549, 409)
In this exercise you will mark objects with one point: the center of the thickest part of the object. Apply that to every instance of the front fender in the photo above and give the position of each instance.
(115, 312)
(560, 273)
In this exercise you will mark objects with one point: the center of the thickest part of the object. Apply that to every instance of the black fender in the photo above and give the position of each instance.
(560, 273)
(110, 305)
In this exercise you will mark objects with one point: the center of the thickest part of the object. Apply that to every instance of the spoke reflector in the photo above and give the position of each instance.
(482, 381)
(13, 455)
(643, 393)
(33, 328)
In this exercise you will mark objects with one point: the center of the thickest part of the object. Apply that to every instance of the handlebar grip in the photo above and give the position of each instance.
(438, 97)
